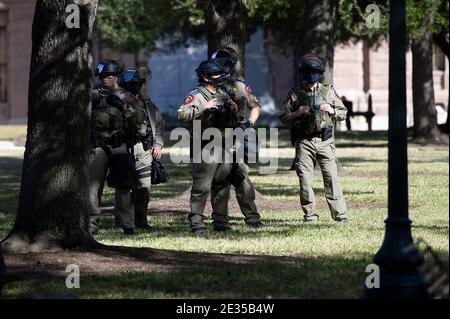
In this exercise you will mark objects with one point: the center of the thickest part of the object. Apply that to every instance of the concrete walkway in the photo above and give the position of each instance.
(9, 146)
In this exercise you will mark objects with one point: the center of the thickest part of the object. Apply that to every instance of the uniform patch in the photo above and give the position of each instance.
(189, 99)
(248, 89)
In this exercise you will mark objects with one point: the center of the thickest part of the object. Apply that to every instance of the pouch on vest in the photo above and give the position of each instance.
(122, 173)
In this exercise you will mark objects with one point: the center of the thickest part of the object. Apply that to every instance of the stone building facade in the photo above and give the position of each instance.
(358, 71)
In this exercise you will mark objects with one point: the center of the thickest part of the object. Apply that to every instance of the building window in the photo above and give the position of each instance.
(3, 65)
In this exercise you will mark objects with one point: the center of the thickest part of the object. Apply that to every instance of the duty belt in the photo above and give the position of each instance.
(325, 134)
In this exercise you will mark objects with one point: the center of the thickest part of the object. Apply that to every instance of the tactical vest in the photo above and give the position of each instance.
(223, 117)
(316, 120)
(139, 121)
(105, 119)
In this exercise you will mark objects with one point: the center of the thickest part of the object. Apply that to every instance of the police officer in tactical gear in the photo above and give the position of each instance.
(242, 94)
(109, 134)
(311, 110)
(205, 104)
(148, 129)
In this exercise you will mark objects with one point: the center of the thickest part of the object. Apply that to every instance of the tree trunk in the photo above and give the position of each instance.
(425, 118)
(319, 34)
(2, 268)
(54, 205)
(226, 22)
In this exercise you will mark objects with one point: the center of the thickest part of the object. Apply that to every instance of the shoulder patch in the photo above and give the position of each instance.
(248, 89)
(189, 99)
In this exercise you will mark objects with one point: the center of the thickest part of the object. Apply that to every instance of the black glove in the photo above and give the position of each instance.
(115, 101)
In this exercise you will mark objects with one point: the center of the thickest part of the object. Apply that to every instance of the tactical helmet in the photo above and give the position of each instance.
(114, 67)
(309, 62)
(133, 79)
(208, 68)
(139, 75)
(227, 57)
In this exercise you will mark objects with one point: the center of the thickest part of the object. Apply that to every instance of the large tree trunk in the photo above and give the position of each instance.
(319, 26)
(2, 267)
(54, 205)
(226, 22)
(425, 119)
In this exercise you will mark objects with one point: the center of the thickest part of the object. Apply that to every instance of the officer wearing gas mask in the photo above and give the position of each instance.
(213, 107)
(311, 110)
(148, 128)
(242, 94)
(109, 144)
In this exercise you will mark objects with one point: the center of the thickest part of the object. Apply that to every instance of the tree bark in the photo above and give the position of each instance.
(226, 22)
(2, 267)
(426, 128)
(319, 34)
(54, 205)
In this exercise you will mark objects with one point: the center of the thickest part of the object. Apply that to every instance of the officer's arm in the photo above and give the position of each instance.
(338, 106)
(159, 129)
(253, 104)
(190, 110)
(289, 114)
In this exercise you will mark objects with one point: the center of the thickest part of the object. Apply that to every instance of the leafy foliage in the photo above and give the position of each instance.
(131, 25)
(284, 19)
(353, 19)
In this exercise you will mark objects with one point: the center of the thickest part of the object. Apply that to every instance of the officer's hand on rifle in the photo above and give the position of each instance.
(302, 110)
(233, 106)
(327, 108)
(156, 152)
(212, 104)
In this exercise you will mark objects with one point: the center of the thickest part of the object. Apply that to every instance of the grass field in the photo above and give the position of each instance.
(328, 258)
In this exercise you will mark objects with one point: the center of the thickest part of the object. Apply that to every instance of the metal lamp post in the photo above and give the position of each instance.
(398, 258)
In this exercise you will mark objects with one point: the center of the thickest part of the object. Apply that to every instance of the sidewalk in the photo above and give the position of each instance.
(10, 146)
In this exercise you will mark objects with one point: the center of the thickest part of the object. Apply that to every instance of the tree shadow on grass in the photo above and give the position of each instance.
(155, 273)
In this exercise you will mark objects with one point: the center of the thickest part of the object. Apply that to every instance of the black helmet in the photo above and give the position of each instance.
(208, 68)
(114, 67)
(139, 75)
(133, 79)
(310, 61)
(227, 57)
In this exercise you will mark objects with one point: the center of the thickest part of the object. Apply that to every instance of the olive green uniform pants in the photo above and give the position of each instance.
(309, 152)
(141, 196)
(98, 168)
(206, 177)
(245, 195)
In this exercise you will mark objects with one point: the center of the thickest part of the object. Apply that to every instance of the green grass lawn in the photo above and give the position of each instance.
(332, 257)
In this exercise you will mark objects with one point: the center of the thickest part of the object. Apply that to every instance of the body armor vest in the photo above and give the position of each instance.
(316, 120)
(223, 117)
(106, 119)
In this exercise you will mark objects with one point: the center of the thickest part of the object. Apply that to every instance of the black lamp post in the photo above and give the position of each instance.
(398, 258)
